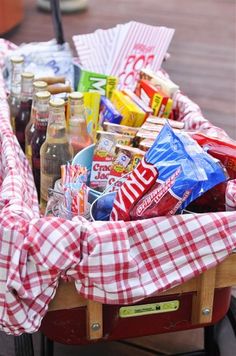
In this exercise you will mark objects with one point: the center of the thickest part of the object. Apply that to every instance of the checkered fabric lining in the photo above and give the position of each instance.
(111, 262)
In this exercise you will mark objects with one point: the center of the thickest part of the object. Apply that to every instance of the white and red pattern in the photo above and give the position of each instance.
(123, 50)
(111, 262)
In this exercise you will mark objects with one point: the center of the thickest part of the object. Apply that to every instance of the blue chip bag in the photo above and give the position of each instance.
(174, 172)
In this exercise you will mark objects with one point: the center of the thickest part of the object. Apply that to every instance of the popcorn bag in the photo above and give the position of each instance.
(108, 261)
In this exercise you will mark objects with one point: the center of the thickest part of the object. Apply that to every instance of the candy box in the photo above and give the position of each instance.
(164, 84)
(108, 113)
(122, 129)
(87, 81)
(138, 101)
(92, 104)
(159, 102)
(132, 114)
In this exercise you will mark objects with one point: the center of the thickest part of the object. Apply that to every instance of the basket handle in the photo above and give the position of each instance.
(57, 23)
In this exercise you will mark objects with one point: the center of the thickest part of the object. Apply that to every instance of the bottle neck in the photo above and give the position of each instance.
(77, 119)
(41, 115)
(26, 89)
(56, 131)
(16, 79)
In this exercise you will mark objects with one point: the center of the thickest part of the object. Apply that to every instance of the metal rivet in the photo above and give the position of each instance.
(95, 326)
(206, 311)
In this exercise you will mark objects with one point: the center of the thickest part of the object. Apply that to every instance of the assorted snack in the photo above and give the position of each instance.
(141, 152)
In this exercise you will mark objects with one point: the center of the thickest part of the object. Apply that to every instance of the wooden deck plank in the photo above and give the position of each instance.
(203, 53)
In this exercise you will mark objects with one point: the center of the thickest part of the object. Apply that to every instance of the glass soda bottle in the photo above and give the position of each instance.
(77, 126)
(17, 63)
(56, 150)
(38, 86)
(39, 134)
(23, 115)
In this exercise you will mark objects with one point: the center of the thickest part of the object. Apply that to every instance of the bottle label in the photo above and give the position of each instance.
(41, 124)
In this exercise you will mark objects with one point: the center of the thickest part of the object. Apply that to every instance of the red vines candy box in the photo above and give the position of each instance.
(174, 172)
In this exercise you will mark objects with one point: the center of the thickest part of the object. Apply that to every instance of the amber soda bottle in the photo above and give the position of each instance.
(17, 63)
(77, 126)
(23, 115)
(56, 150)
(38, 86)
(39, 134)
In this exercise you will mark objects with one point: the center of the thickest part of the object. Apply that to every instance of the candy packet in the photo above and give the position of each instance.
(223, 150)
(173, 172)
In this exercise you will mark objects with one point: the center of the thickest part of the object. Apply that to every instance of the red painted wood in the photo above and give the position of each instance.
(69, 326)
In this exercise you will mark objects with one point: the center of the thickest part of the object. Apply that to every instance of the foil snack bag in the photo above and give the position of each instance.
(173, 172)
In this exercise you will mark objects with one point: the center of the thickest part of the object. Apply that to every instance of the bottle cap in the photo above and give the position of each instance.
(43, 95)
(27, 75)
(17, 59)
(40, 84)
(76, 95)
(57, 102)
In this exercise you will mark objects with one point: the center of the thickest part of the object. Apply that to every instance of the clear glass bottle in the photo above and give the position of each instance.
(77, 126)
(56, 150)
(17, 63)
(38, 86)
(23, 115)
(39, 134)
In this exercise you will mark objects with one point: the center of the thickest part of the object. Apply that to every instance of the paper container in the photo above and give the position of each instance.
(85, 158)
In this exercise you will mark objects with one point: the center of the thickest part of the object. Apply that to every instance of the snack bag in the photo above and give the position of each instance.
(223, 150)
(173, 172)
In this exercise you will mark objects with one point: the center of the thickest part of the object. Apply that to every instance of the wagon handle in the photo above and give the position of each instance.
(57, 23)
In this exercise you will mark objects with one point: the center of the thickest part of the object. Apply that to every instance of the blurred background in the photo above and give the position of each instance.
(203, 49)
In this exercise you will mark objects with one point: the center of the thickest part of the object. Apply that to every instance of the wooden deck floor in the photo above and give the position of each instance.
(203, 49)
(203, 63)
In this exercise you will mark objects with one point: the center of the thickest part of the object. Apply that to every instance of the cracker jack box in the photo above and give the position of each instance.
(86, 81)
(104, 153)
(132, 114)
(159, 102)
(125, 160)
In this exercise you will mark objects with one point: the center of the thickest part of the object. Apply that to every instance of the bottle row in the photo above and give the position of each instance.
(49, 130)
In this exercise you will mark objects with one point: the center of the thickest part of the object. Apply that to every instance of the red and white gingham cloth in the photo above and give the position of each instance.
(111, 262)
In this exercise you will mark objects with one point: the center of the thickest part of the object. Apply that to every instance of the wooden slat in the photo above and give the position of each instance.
(202, 304)
(66, 297)
(94, 320)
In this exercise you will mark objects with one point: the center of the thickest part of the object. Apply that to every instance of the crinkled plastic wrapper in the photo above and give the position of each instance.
(174, 172)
